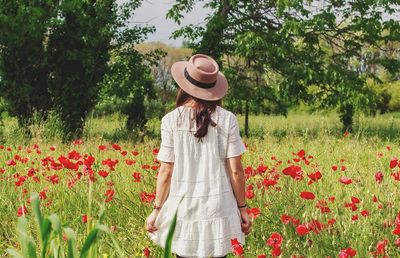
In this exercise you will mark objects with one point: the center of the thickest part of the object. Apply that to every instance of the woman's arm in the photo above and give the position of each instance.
(238, 179)
(163, 182)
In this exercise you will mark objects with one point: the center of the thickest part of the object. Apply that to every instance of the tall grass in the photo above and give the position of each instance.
(364, 152)
(303, 125)
(50, 234)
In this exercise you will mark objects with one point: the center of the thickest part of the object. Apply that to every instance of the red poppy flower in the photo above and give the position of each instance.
(355, 200)
(393, 163)
(261, 168)
(109, 194)
(315, 176)
(116, 147)
(307, 195)
(276, 252)
(381, 247)
(147, 197)
(267, 182)
(302, 230)
(103, 173)
(146, 252)
(249, 194)
(285, 219)
(275, 240)
(42, 195)
(364, 213)
(396, 176)
(84, 218)
(77, 142)
(54, 179)
(254, 212)
(348, 252)
(331, 221)
(66, 163)
(110, 163)
(22, 210)
(379, 177)
(301, 153)
(11, 162)
(102, 147)
(237, 248)
(345, 180)
(137, 176)
(396, 231)
(397, 242)
(294, 171)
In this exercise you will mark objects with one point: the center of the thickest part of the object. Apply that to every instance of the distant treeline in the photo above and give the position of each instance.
(76, 57)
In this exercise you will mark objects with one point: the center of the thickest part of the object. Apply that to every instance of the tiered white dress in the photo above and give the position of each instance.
(208, 216)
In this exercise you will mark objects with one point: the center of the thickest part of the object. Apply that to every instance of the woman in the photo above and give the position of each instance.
(200, 156)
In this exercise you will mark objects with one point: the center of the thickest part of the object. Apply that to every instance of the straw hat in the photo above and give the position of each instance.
(200, 77)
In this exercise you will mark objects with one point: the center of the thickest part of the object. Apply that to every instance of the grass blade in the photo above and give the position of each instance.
(171, 231)
(14, 253)
(71, 243)
(90, 239)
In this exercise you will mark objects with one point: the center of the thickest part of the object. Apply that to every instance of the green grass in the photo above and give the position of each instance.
(319, 135)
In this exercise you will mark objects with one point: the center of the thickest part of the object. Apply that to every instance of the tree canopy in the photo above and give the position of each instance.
(291, 51)
(54, 55)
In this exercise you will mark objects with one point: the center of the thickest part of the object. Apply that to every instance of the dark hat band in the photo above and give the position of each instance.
(196, 82)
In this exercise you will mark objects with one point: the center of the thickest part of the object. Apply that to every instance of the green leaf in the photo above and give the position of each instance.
(71, 242)
(55, 223)
(90, 239)
(14, 253)
(168, 243)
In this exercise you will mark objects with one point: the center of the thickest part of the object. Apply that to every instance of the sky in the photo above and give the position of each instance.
(153, 12)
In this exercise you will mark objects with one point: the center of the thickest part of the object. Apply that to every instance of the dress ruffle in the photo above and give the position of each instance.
(191, 238)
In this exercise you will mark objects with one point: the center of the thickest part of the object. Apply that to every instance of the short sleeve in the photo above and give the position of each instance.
(166, 150)
(235, 146)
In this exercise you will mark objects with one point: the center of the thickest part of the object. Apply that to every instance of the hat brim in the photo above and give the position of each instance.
(217, 92)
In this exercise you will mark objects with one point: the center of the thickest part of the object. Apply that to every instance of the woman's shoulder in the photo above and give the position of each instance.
(220, 112)
(225, 111)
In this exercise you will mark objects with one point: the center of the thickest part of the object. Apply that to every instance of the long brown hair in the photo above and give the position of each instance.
(203, 108)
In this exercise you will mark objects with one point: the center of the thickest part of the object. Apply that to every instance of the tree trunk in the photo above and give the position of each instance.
(246, 119)
(346, 113)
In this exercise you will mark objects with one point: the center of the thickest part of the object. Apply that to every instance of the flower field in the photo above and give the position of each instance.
(328, 196)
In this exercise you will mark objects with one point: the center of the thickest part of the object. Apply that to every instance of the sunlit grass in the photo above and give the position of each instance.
(364, 152)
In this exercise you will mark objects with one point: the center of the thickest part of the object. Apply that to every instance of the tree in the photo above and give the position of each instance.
(308, 46)
(55, 54)
(129, 82)
(161, 68)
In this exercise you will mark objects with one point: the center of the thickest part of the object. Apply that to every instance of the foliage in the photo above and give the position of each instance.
(51, 233)
(54, 54)
(160, 70)
(129, 82)
(131, 186)
(301, 45)
(388, 94)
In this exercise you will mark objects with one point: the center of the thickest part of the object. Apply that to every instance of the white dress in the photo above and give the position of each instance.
(208, 216)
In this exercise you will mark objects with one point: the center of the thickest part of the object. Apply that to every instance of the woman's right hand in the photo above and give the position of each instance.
(246, 222)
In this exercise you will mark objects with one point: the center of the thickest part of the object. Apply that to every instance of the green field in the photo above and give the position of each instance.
(274, 141)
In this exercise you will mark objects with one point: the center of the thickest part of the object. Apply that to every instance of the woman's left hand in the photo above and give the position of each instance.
(151, 220)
